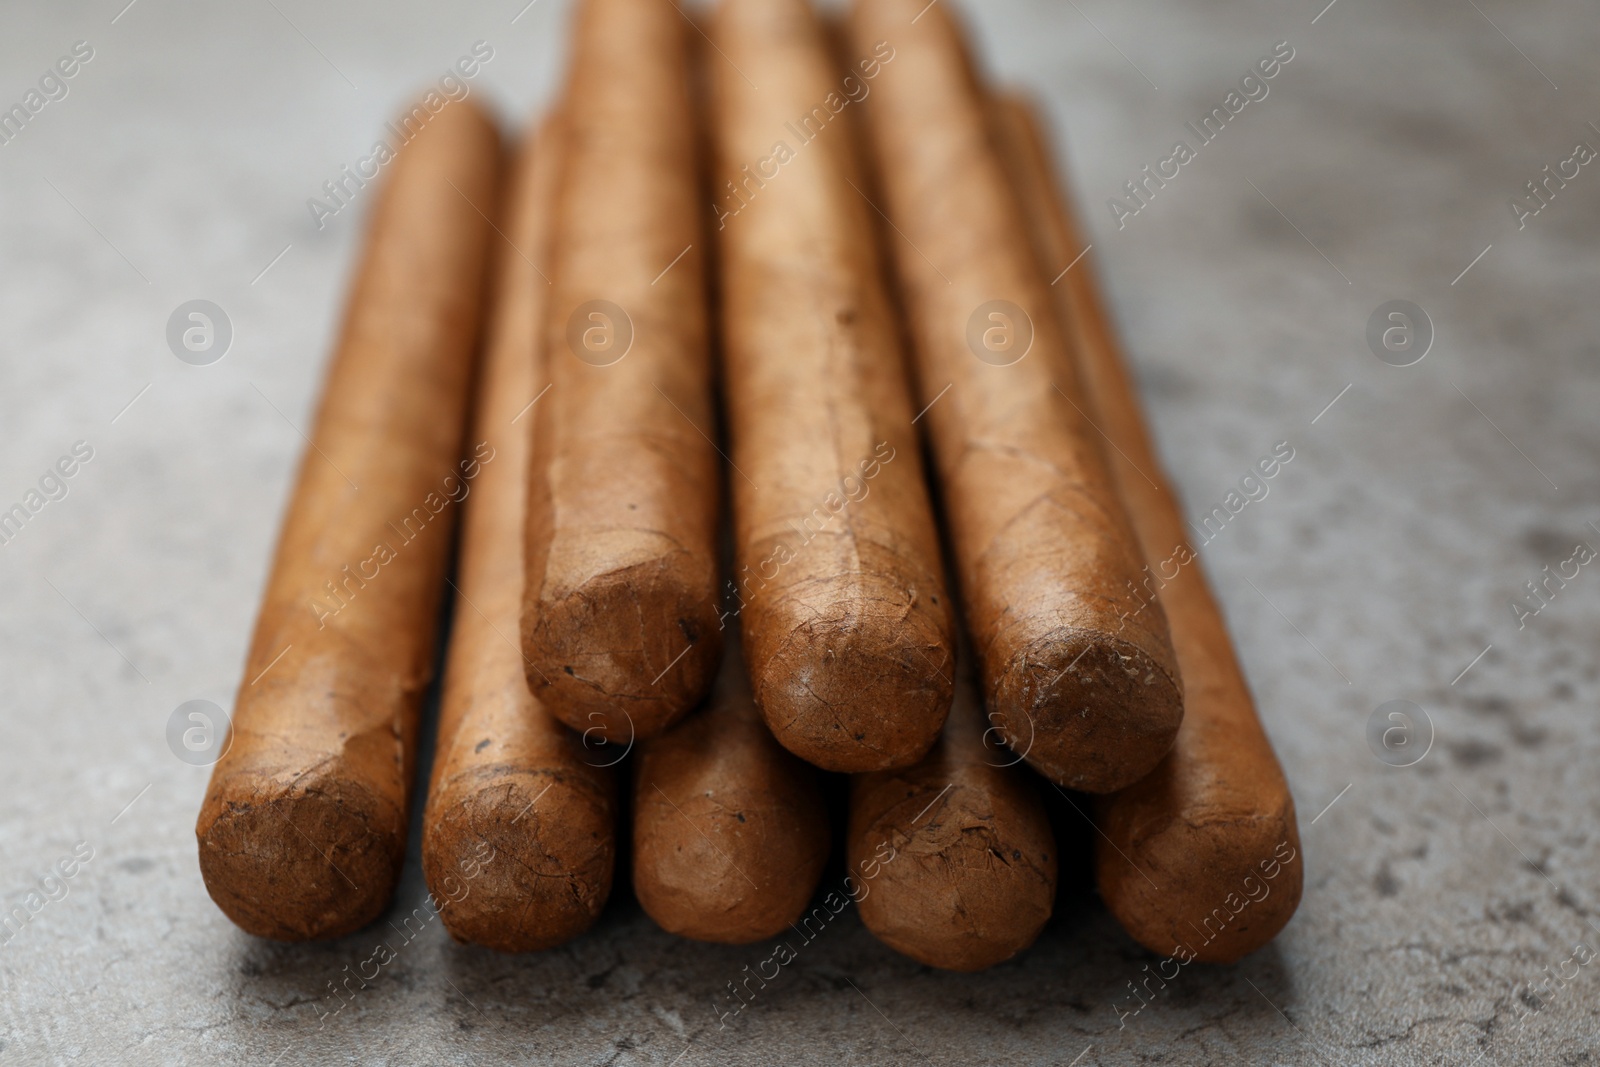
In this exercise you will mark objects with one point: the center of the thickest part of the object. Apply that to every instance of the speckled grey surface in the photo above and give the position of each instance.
(1383, 562)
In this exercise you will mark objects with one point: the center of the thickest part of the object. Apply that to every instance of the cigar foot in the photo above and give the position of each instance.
(521, 861)
(856, 693)
(315, 860)
(1247, 871)
(627, 653)
(1096, 713)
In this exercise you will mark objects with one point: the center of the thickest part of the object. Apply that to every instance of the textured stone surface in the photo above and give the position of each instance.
(1382, 562)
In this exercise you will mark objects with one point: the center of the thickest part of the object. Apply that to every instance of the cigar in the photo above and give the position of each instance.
(1077, 668)
(846, 625)
(1201, 857)
(619, 623)
(969, 879)
(519, 833)
(303, 828)
(729, 830)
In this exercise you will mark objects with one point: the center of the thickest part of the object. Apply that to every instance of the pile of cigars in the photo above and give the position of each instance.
(691, 286)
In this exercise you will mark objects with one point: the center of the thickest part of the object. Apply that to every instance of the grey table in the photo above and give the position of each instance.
(1383, 565)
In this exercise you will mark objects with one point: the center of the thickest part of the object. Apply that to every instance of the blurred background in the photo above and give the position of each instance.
(1389, 161)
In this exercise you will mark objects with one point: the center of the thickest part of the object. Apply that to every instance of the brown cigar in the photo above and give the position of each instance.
(304, 826)
(520, 828)
(619, 623)
(729, 830)
(1201, 856)
(973, 876)
(1080, 680)
(847, 627)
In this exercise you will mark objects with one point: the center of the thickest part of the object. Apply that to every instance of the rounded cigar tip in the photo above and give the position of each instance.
(521, 865)
(1093, 713)
(739, 917)
(740, 890)
(1218, 889)
(871, 696)
(627, 654)
(468, 110)
(965, 893)
(305, 865)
